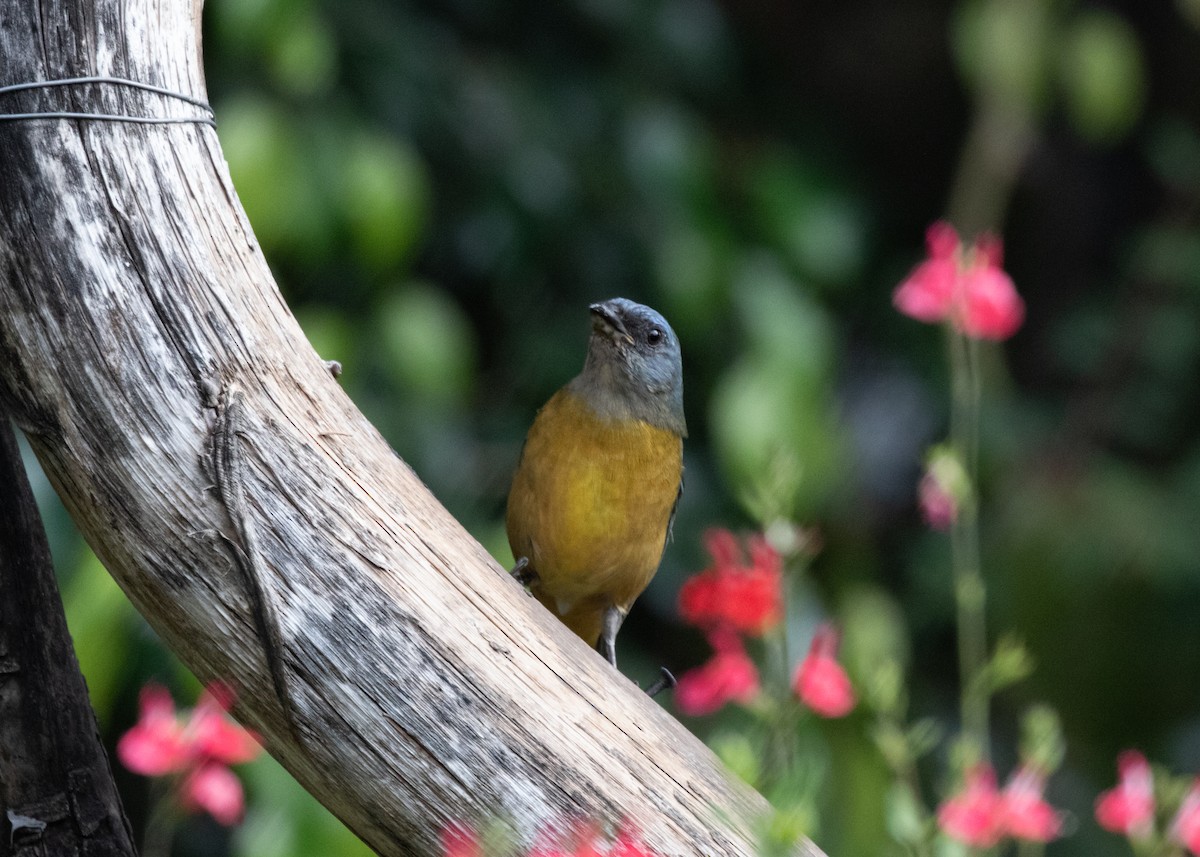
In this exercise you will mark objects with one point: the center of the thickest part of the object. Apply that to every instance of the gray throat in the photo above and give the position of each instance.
(614, 396)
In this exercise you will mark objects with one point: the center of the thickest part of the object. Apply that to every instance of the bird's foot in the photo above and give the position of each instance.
(523, 574)
(610, 624)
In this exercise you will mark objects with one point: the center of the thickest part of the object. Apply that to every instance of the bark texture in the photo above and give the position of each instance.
(56, 787)
(251, 512)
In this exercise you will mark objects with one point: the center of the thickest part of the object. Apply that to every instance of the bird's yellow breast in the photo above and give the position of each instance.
(589, 507)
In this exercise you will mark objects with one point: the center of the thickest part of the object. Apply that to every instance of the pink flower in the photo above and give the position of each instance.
(198, 749)
(728, 676)
(974, 816)
(944, 489)
(820, 681)
(215, 736)
(938, 506)
(460, 841)
(746, 597)
(628, 844)
(214, 788)
(579, 839)
(1185, 829)
(1128, 807)
(155, 745)
(1027, 815)
(963, 285)
(928, 292)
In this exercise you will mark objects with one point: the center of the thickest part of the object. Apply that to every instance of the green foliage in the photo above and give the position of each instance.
(284, 820)
(101, 622)
(441, 189)
(1004, 50)
(1103, 75)
(773, 408)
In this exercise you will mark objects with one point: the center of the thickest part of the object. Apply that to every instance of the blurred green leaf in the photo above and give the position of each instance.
(283, 819)
(740, 754)
(383, 195)
(1174, 151)
(875, 635)
(428, 345)
(1042, 741)
(755, 419)
(773, 408)
(273, 178)
(101, 620)
(303, 55)
(668, 151)
(1003, 50)
(1103, 75)
(692, 270)
(329, 331)
(907, 821)
(786, 826)
(247, 25)
(944, 846)
(813, 223)
(782, 326)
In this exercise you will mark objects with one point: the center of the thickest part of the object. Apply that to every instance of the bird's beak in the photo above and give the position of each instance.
(607, 322)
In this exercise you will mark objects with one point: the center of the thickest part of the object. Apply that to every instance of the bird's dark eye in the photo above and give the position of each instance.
(654, 335)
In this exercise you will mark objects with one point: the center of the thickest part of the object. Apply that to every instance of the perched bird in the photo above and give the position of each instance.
(595, 491)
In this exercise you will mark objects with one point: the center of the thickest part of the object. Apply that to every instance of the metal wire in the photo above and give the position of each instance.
(106, 117)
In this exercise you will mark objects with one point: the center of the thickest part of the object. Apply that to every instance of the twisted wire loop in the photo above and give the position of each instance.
(204, 118)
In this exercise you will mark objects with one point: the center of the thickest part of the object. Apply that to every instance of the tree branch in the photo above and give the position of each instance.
(419, 684)
(56, 787)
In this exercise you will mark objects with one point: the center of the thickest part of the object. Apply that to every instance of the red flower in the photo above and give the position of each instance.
(1128, 807)
(198, 749)
(212, 787)
(820, 681)
(1185, 829)
(928, 292)
(585, 840)
(944, 488)
(1027, 815)
(974, 816)
(215, 736)
(965, 286)
(728, 676)
(155, 745)
(460, 841)
(747, 598)
(938, 506)
(628, 844)
(990, 307)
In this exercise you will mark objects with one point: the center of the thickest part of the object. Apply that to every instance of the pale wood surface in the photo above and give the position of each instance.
(424, 685)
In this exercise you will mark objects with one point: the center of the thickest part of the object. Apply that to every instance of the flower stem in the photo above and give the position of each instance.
(970, 594)
(782, 742)
(160, 825)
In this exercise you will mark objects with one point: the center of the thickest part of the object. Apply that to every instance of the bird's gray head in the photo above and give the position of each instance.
(634, 369)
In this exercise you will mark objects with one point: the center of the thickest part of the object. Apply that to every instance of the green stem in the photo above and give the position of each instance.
(160, 826)
(997, 144)
(1026, 848)
(969, 589)
(784, 721)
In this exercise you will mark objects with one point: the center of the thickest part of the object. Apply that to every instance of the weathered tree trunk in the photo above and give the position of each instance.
(56, 788)
(254, 516)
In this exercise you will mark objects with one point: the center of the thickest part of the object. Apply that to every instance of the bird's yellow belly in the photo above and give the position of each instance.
(589, 507)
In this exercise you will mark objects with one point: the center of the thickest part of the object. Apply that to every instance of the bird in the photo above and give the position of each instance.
(600, 475)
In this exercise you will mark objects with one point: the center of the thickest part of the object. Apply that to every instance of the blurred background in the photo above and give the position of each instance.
(442, 187)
